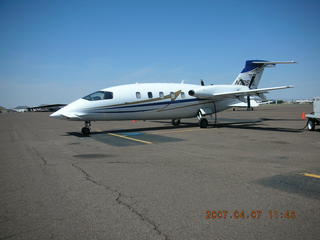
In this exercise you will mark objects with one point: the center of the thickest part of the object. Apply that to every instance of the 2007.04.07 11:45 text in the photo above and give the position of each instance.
(253, 214)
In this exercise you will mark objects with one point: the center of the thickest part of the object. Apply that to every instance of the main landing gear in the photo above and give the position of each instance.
(311, 125)
(203, 122)
(175, 122)
(209, 110)
(86, 129)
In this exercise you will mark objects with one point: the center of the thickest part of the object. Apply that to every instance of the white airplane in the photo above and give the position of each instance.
(155, 101)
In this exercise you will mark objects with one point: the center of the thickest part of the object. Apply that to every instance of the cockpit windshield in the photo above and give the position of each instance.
(100, 95)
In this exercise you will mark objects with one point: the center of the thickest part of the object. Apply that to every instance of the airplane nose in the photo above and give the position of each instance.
(71, 111)
(57, 115)
(63, 114)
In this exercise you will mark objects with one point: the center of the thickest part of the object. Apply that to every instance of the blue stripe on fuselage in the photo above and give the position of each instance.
(145, 110)
(150, 104)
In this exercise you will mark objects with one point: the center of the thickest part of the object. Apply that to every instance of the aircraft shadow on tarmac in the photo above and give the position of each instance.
(293, 183)
(129, 137)
(282, 119)
(249, 124)
(260, 128)
(257, 124)
(147, 129)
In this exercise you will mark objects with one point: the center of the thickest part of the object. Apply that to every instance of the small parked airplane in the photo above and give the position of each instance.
(155, 101)
(253, 104)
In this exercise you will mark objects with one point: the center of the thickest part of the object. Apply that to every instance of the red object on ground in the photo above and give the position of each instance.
(133, 121)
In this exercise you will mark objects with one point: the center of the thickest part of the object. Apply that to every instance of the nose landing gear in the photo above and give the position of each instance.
(86, 129)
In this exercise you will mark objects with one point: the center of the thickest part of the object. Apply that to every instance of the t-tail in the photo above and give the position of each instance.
(251, 74)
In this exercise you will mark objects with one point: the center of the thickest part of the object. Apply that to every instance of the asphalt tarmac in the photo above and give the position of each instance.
(256, 175)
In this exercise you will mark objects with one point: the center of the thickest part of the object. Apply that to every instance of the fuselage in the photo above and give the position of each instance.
(145, 101)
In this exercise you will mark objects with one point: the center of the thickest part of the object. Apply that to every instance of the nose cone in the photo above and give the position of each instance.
(65, 114)
(72, 111)
(58, 114)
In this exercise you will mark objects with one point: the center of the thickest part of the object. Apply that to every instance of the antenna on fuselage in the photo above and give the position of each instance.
(201, 82)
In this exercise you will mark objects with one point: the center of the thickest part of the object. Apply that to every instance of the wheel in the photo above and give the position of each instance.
(311, 125)
(85, 131)
(203, 123)
(175, 122)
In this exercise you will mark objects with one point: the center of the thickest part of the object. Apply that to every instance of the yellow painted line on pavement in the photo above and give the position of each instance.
(129, 138)
(311, 175)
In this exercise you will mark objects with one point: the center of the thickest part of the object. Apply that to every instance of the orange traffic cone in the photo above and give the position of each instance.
(303, 116)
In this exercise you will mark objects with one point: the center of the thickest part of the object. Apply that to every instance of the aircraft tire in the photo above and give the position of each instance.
(85, 131)
(176, 122)
(203, 123)
(311, 125)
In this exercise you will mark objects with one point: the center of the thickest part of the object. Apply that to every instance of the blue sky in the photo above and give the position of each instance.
(58, 51)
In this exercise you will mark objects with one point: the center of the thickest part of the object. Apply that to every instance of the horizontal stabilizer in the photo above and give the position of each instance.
(270, 63)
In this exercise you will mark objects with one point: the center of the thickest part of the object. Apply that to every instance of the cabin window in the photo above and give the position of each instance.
(161, 95)
(138, 95)
(99, 95)
(108, 95)
(149, 94)
(183, 95)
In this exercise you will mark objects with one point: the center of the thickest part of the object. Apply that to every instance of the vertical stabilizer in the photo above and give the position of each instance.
(251, 74)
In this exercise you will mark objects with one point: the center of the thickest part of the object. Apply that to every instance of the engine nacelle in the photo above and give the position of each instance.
(203, 92)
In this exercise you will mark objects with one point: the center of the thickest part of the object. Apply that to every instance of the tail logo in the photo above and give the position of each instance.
(248, 83)
(242, 82)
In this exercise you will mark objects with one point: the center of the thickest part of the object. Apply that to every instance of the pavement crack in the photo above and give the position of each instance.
(44, 161)
(119, 201)
(88, 177)
(155, 227)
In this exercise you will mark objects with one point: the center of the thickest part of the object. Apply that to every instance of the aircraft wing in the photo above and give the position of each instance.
(236, 94)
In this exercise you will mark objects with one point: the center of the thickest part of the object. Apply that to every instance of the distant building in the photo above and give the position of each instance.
(21, 109)
(46, 108)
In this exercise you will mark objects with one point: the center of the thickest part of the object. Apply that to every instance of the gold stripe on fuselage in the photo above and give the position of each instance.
(176, 94)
